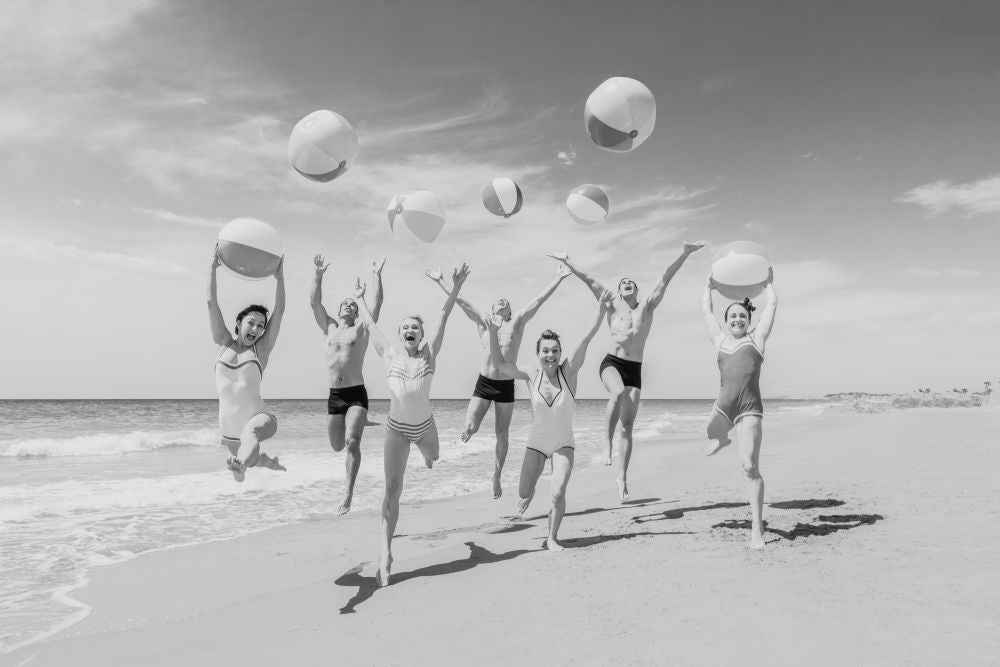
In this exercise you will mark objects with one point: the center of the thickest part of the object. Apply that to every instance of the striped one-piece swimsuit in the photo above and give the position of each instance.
(739, 373)
(409, 380)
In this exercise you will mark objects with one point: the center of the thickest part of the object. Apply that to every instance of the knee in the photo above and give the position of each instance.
(353, 445)
(750, 469)
(337, 444)
(470, 428)
(502, 431)
(616, 394)
(558, 497)
(393, 490)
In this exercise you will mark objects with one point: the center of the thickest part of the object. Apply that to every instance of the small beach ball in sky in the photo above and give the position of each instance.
(588, 204)
(620, 114)
(502, 196)
(322, 145)
(416, 216)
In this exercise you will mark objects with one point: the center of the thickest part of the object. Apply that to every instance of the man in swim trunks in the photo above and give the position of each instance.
(629, 321)
(346, 344)
(494, 385)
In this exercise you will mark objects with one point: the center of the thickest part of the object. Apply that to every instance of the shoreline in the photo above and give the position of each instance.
(310, 583)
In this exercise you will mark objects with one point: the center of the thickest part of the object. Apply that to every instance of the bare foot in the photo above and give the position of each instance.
(522, 505)
(715, 445)
(465, 435)
(237, 468)
(622, 489)
(553, 545)
(497, 489)
(428, 462)
(606, 459)
(757, 540)
(345, 506)
(382, 576)
(271, 464)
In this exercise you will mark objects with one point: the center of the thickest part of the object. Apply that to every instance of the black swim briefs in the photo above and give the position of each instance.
(344, 397)
(501, 391)
(630, 371)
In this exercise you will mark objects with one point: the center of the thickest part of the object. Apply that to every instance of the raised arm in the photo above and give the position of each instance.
(323, 318)
(470, 311)
(595, 286)
(376, 306)
(375, 335)
(660, 288)
(763, 329)
(532, 306)
(711, 322)
(574, 361)
(266, 343)
(216, 321)
(458, 277)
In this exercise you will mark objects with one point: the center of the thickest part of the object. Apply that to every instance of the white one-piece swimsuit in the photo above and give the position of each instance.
(237, 379)
(552, 425)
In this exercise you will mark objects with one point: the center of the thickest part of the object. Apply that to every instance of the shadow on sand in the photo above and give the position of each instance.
(829, 523)
(367, 585)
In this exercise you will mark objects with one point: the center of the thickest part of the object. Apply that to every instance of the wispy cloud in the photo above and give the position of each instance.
(193, 221)
(567, 158)
(756, 227)
(25, 247)
(943, 273)
(982, 196)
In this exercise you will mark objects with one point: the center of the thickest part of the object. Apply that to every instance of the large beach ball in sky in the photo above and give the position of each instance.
(416, 216)
(502, 196)
(322, 145)
(740, 269)
(588, 204)
(620, 114)
(250, 248)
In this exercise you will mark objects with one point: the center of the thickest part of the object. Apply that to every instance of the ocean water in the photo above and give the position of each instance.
(86, 483)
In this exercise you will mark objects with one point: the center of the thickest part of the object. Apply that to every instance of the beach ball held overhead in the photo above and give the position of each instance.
(322, 145)
(588, 205)
(250, 248)
(416, 216)
(502, 196)
(620, 114)
(740, 269)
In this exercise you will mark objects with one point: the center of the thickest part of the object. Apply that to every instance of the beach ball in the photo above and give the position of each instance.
(250, 248)
(502, 196)
(588, 205)
(321, 146)
(740, 269)
(620, 114)
(416, 215)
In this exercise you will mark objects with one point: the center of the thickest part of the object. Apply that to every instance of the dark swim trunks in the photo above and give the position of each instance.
(630, 371)
(501, 391)
(344, 397)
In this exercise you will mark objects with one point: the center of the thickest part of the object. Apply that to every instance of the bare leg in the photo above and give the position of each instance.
(258, 428)
(616, 388)
(430, 446)
(396, 452)
(749, 433)
(502, 413)
(531, 470)
(266, 461)
(354, 426)
(562, 468)
(478, 407)
(629, 407)
(718, 432)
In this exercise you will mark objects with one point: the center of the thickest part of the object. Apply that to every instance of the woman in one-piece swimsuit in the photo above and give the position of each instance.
(552, 387)
(740, 356)
(409, 374)
(244, 418)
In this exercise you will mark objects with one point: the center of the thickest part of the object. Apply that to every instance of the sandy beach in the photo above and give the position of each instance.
(882, 533)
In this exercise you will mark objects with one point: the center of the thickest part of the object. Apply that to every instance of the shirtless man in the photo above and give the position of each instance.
(346, 344)
(629, 321)
(494, 385)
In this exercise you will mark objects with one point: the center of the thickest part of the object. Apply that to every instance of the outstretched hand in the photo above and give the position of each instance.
(607, 299)
(562, 270)
(459, 275)
(693, 247)
(321, 264)
(377, 266)
(359, 288)
(559, 256)
(434, 274)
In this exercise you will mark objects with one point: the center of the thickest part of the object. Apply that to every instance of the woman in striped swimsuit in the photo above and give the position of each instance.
(551, 387)
(409, 374)
(740, 355)
(244, 418)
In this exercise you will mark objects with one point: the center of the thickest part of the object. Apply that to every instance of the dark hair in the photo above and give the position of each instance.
(252, 308)
(548, 334)
(745, 304)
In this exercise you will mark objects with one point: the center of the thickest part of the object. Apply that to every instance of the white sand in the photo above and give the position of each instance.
(649, 583)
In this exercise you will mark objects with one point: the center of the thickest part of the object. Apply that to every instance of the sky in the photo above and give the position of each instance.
(858, 142)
